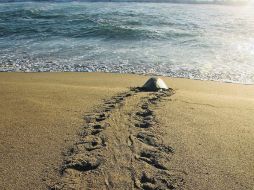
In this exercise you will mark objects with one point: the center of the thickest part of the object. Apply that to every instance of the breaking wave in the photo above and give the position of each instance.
(193, 41)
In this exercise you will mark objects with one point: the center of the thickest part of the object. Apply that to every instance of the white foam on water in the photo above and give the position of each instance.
(192, 41)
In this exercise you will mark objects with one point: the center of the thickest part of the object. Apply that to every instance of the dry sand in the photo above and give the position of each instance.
(209, 126)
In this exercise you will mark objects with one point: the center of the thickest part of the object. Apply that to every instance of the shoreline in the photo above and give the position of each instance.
(139, 74)
(209, 124)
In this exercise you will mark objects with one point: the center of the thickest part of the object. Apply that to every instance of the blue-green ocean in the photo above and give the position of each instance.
(207, 42)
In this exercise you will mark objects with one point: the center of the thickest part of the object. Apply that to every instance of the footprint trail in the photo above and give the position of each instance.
(121, 147)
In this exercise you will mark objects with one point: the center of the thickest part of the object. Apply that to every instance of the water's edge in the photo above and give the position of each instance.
(187, 41)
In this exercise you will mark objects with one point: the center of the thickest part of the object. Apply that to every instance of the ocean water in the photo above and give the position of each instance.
(207, 42)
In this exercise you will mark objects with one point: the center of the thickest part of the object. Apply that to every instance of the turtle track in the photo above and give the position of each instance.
(121, 147)
(149, 148)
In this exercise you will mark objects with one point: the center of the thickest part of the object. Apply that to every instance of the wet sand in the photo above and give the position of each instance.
(201, 137)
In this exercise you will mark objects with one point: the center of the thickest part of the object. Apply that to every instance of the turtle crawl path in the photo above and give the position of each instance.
(121, 147)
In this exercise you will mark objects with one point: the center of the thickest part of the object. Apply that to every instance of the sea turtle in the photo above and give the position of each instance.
(154, 84)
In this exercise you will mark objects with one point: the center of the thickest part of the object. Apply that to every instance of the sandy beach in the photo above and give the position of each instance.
(90, 131)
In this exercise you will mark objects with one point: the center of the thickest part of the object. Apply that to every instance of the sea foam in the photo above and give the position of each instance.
(207, 42)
